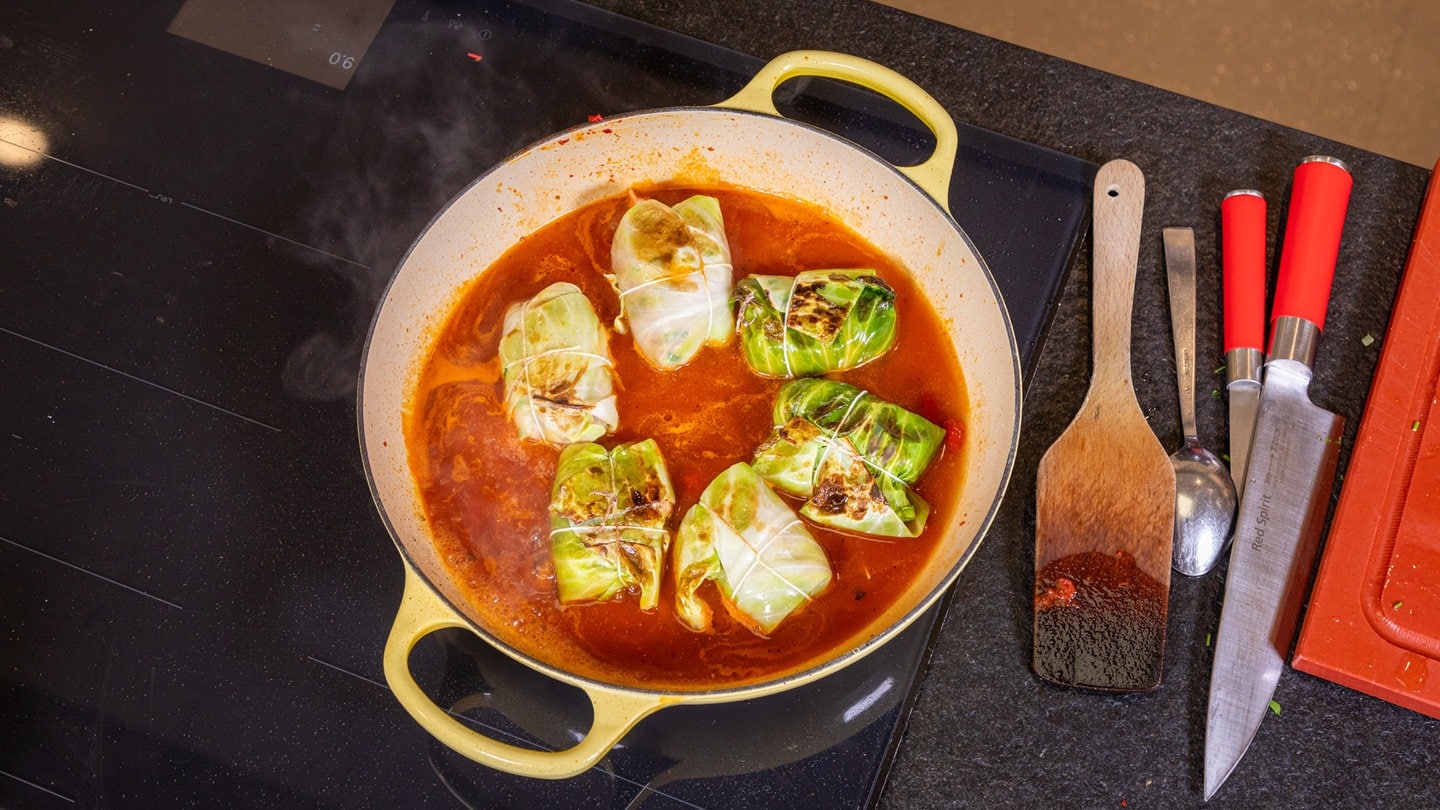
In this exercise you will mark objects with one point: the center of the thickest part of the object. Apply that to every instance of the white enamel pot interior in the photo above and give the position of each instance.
(742, 142)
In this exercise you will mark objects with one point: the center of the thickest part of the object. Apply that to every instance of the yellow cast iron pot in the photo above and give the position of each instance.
(743, 141)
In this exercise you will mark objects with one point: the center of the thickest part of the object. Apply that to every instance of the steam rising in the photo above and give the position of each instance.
(410, 134)
(419, 122)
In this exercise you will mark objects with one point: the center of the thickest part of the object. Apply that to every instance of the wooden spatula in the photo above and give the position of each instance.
(1105, 491)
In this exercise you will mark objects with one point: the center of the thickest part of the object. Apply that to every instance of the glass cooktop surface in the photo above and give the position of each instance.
(202, 204)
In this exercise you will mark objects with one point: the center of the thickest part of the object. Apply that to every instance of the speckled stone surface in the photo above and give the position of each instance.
(985, 731)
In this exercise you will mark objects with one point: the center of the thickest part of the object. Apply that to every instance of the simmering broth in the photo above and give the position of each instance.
(486, 493)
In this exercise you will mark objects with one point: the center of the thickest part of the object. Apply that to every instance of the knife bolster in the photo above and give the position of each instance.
(1293, 338)
(1243, 365)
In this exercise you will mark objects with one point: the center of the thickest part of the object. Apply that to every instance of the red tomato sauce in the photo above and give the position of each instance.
(486, 493)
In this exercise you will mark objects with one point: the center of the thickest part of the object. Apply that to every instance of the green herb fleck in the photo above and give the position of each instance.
(1397, 604)
(1208, 638)
(1275, 706)
(1416, 427)
(1367, 340)
(1219, 369)
(1215, 393)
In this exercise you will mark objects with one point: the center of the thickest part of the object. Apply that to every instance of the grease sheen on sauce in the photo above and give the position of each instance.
(486, 493)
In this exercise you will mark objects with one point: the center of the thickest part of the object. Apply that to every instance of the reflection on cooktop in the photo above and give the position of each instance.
(324, 40)
(723, 755)
(22, 144)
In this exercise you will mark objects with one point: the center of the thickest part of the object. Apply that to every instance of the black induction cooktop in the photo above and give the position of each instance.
(202, 202)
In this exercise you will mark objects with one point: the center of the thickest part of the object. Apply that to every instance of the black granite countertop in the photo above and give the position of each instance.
(985, 731)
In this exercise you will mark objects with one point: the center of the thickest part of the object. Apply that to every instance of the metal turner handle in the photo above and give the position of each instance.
(1180, 275)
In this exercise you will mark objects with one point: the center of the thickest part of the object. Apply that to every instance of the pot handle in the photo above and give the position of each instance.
(423, 612)
(933, 175)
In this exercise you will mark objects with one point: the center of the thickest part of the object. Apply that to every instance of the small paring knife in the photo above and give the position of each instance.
(1242, 228)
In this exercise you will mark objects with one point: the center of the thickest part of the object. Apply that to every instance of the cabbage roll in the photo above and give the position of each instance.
(555, 360)
(853, 456)
(749, 541)
(672, 269)
(815, 322)
(608, 512)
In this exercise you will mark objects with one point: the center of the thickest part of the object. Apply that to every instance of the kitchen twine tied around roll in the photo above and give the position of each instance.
(526, 359)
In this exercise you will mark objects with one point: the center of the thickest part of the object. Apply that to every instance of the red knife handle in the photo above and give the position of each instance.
(1318, 199)
(1242, 237)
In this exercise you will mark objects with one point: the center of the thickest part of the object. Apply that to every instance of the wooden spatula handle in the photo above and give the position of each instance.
(1119, 207)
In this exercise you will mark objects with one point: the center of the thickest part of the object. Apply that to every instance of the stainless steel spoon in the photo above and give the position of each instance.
(1205, 499)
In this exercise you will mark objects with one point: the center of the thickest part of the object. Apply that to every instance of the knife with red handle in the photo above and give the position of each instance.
(1318, 201)
(1242, 237)
(1287, 486)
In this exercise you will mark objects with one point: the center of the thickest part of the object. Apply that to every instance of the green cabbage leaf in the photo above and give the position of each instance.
(556, 365)
(672, 269)
(852, 456)
(608, 512)
(816, 322)
(746, 539)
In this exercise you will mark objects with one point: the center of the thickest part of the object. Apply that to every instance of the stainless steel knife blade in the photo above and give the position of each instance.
(1296, 448)
(1243, 389)
(1288, 482)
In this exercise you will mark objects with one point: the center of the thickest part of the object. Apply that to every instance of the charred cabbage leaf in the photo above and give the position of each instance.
(750, 542)
(815, 322)
(672, 269)
(853, 456)
(608, 512)
(555, 361)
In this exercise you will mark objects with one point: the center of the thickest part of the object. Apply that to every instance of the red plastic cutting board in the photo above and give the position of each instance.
(1373, 622)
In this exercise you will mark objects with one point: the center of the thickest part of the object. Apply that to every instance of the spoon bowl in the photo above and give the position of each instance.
(1205, 505)
(1205, 498)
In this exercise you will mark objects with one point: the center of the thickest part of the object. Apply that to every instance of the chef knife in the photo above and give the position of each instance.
(1242, 228)
(1287, 488)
